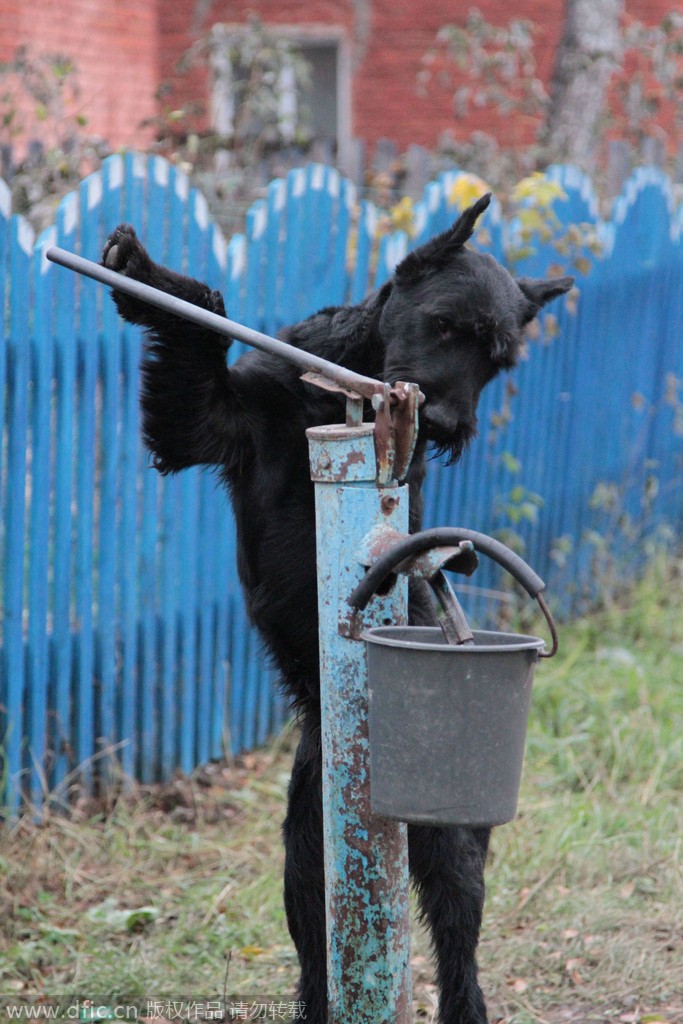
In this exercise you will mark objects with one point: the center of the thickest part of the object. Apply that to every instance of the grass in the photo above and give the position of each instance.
(585, 906)
(584, 912)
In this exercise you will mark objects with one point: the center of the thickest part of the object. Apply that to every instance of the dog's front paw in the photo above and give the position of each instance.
(214, 302)
(124, 253)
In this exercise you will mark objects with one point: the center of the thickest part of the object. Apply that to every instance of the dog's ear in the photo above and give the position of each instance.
(438, 251)
(383, 294)
(464, 225)
(540, 291)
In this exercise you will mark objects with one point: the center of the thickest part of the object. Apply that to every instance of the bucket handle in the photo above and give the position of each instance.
(450, 536)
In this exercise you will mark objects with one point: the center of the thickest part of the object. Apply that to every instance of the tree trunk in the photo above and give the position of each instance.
(588, 54)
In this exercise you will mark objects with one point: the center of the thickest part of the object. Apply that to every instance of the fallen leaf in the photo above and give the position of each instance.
(138, 919)
(523, 896)
(249, 952)
(120, 919)
(574, 963)
(519, 985)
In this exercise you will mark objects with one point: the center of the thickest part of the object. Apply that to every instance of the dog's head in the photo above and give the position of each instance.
(452, 319)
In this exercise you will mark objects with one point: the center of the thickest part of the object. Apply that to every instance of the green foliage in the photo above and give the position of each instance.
(609, 714)
(39, 97)
(493, 70)
(627, 532)
(254, 74)
(260, 60)
(495, 66)
(651, 82)
(533, 200)
(519, 505)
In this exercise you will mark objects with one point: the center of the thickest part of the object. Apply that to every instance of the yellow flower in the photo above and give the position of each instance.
(466, 189)
(539, 189)
(403, 215)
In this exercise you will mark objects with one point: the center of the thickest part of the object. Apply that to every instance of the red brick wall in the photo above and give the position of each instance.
(114, 44)
(387, 40)
(124, 48)
(387, 102)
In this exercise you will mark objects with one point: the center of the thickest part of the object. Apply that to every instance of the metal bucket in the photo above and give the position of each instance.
(448, 724)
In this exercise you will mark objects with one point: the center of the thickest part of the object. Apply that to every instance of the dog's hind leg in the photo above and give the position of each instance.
(305, 876)
(447, 869)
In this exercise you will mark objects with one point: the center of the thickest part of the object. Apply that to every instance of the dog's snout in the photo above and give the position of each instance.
(436, 419)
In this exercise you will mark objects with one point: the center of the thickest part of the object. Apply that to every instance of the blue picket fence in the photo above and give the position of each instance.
(123, 635)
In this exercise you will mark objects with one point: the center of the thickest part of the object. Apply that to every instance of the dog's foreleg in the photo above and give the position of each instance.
(188, 407)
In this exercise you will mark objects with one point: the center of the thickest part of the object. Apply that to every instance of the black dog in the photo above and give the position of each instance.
(450, 320)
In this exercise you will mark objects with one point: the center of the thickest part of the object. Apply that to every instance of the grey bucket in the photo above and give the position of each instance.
(447, 724)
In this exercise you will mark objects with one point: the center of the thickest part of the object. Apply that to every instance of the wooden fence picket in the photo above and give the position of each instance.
(18, 376)
(41, 372)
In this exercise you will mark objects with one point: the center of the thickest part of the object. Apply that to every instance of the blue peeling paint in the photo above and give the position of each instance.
(366, 857)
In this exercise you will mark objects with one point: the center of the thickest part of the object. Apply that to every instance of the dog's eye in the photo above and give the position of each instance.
(444, 327)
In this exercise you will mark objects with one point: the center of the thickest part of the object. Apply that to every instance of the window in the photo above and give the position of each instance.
(319, 108)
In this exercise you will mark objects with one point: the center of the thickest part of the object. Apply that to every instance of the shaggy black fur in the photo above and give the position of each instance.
(450, 319)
